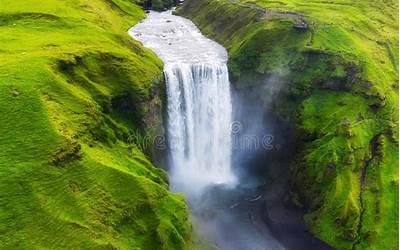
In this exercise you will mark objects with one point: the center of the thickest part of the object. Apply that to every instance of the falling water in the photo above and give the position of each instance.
(198, 101)
(199, 109)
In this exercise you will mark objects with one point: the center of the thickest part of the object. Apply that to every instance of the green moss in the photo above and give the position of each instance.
(340, 89)
(161, 4)
(74, 86)
(269, 59)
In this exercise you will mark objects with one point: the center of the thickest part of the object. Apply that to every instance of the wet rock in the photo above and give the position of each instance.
(302, 25)
(330, 169)
(367, 85)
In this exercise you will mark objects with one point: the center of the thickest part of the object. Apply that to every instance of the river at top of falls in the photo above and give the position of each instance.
(199, 108)
(177, 40)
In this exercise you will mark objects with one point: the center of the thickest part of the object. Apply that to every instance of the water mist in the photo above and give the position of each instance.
(199, 119)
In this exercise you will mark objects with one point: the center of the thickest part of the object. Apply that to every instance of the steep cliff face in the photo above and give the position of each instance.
(78, 97)
(337, 64)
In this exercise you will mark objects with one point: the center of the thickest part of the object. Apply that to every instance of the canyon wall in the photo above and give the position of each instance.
(335, 79)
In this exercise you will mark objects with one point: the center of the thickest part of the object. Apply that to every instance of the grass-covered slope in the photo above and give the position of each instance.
(74, 89)
(338, 60)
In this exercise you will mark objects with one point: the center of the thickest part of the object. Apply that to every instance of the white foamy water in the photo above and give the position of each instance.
(198, 100)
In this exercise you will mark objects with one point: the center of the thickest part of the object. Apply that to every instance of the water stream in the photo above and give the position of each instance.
(199, 104)
(229, 214)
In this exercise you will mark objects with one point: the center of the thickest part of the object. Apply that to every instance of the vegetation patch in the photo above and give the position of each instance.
(74, 87)
(337, 62)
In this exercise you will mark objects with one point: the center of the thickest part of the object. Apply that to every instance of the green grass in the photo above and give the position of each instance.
(341, 83)
(364, 30)
(73, 87)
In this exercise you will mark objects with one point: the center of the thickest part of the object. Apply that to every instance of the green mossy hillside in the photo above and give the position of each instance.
(78, 96)
(338, 65)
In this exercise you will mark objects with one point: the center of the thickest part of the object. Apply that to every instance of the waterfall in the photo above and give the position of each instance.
(198, 100)
(199, 140)
(199, 118)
